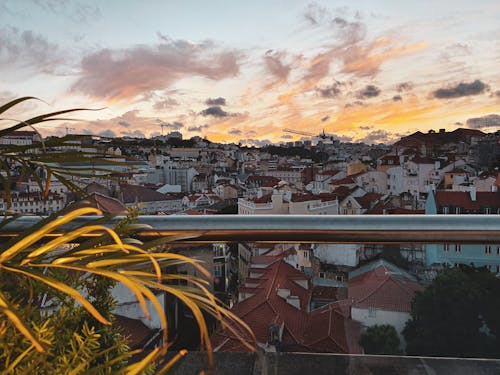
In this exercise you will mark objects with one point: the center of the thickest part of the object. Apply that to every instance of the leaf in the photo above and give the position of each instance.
(73, 293)
(10, 312)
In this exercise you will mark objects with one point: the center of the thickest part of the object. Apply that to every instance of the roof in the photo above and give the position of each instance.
(302, 331)
(462, 199)
(382, 285)
(104, 203)
(137, 332)
(367, 200)
(136, 193)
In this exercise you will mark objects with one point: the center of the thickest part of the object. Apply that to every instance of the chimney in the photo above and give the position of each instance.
(442, 131)
(473, 193)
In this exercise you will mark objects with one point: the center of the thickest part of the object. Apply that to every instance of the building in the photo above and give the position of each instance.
(443, 202)
(275, 302)
(381, 293)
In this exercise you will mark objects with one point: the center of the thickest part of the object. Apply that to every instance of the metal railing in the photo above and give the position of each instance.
(377, 229)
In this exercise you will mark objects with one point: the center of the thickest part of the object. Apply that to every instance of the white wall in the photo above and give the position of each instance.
(339, 254)
(371, 317)
(128, 306)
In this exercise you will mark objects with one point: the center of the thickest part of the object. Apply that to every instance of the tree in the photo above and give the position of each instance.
(457, 315)
(48, 262)
(380, 339)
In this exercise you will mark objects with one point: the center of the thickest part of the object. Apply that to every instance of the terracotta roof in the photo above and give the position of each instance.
(328, 173)
(349, 180)
(106, 204)
(367, 200)
(383, 287)
(463, 199)
(381, 208)
(137, 332)
(136, 193)
(343, 192)
(302, 331)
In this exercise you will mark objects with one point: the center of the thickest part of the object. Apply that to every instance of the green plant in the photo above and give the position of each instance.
(40, 262)
(380, 339)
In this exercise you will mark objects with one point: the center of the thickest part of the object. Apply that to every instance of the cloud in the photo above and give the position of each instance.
(255, 142)
(126, 73)
(497, 93)
(315, 14)
(216, 101)
(80, 12)
(276, 67)
(124, 123)
(377, 136)
(460, 90)
(251, 133)
(397, 98)
(107, 133)
(235, 131)
(487, 121)
(344, 138)
(404, 86)
(366, 127)
(165, 103)
(357, 103)
(197, 128)
(326, 118)
(287, 136)
(217, 111)
(172, 125)
(330, 91)
(370, 91)
(28, 50)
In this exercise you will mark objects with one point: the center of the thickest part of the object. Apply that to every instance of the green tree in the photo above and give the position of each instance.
(380, 339)
(457, 315)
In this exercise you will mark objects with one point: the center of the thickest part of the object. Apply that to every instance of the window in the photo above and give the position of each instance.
(458, 248)
(498, 249)
(487, 210)
(218, 250)
(218, 270)
(321, 275)
(457, 210)
(487, 249)
(445, 210)
(446, 247)
(306, 254)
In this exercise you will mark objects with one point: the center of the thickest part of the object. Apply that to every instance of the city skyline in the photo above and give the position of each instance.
(241, 72)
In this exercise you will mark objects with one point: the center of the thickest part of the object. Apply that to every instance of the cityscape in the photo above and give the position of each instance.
(324, 111)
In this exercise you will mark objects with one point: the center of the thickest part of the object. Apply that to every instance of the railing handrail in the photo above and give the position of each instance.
(479, 229)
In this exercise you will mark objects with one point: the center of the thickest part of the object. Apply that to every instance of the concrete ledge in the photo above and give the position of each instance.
(323, 364)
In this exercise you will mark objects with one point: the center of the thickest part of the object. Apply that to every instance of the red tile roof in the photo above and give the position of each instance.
(303, 331)
(382, 288)
(463, 199)
(367, 200)
(137, 332)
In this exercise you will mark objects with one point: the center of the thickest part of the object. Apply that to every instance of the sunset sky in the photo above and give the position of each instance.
(237, 71)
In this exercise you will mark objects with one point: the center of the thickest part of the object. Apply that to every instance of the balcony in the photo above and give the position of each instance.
(337, 229)
(340, 229)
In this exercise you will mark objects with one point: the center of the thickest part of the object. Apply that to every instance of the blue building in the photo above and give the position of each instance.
(457, 202)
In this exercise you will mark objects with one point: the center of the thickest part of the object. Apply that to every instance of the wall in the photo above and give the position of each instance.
(371, 317)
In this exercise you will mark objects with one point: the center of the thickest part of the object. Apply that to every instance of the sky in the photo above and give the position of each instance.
(235, 71)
